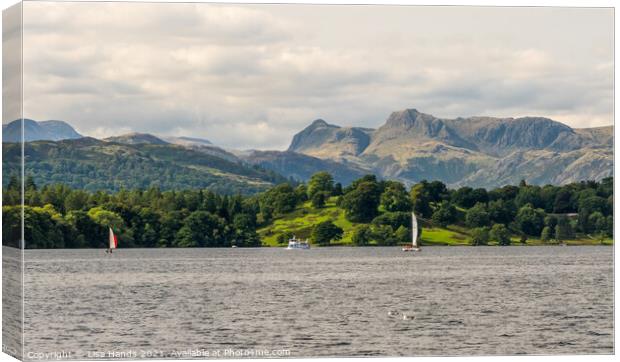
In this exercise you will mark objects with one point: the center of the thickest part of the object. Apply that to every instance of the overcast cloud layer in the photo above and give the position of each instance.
(252, 76)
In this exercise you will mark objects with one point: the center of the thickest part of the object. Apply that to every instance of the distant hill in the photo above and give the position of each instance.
(198, 144)
(202, 145)
(188, 141)
(476, 151)
(92, 164)
(35, 131)
(301, 167)
(136, 138)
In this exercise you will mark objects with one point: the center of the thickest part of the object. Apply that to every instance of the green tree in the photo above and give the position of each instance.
(480, 236)
(278, 201)
(563, 201)
(530, 220)
(320, 182)
(149, 236)
(244, 230)
(301, 192)
(324, 232)
(529, 195)
(500, 234)
(546, 234)
(319, 199)
(501, 211)
(384, 235)
(563, 229)
(551, 221)
(395, 198)
(106, 218)
(11, 226)
(467, 197)
(463, 197)
(548, 194)
(393, 219)
(203, 229)
(403, 235)
(477, 216)
(437, 191)
(421, 200)
(445, 214)
(361, 204)
(597, 222)
(361, 235)
(337, 189)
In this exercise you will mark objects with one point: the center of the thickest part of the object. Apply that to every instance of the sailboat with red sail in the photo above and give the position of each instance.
(113, 242)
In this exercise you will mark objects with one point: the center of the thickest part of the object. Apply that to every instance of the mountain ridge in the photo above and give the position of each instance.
(411, 146)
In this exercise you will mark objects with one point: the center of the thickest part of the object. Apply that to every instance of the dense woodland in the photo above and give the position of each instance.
(58, 216)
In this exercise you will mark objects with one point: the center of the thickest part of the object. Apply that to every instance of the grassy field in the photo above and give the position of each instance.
(440, 236)
(301, 221)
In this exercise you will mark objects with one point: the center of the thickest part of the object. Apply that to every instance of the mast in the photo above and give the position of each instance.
(414, 231)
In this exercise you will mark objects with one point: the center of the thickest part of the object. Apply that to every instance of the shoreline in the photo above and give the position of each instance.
(333, 246)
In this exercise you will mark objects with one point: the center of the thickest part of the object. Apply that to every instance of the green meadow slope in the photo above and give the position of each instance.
(301, 221)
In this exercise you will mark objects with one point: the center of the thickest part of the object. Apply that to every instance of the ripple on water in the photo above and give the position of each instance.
(325, 302)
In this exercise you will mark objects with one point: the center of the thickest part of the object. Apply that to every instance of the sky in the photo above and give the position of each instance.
(251, 76)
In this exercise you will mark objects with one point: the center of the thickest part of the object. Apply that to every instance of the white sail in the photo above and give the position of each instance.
(414, 231)
(112, 240)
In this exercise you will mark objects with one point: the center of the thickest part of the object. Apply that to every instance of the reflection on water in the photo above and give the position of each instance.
(321, 302)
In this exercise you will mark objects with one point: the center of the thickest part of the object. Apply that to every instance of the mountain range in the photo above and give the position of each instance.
(410, 146)
(477, 151)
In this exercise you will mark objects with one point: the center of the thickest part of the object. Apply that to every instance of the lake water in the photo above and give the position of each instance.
(323, 302)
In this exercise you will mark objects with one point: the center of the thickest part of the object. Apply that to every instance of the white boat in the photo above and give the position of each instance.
(112, 242)
(414, 235)
(295, 243)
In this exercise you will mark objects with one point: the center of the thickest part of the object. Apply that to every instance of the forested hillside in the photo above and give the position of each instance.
(93, 165)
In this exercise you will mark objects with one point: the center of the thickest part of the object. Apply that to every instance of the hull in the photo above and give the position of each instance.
(298, 246)
(411, 249)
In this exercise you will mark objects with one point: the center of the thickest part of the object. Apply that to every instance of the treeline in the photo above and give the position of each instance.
(550, 213)
(57, 216)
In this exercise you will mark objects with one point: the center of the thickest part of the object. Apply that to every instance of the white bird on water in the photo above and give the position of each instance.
(408, 317)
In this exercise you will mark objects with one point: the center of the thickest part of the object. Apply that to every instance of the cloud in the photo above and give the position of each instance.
(11, 64)
(252, 76)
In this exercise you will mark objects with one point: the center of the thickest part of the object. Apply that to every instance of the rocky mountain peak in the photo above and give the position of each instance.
(320, 123)
(408, 118)
(321, 139)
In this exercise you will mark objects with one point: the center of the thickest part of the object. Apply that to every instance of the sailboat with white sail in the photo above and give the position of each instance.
(414, 235)
(112, 242)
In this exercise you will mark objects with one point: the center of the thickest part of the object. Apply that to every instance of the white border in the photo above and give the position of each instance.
(540, 3)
